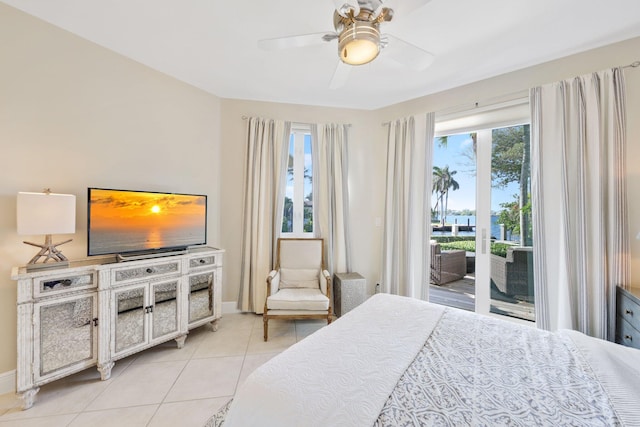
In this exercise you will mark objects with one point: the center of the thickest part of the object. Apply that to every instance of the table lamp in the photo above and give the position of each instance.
(46, 213)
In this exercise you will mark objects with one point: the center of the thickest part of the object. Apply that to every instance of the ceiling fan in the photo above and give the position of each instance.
(357, 29)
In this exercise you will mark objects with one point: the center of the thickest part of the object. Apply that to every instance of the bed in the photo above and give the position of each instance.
(397, 361)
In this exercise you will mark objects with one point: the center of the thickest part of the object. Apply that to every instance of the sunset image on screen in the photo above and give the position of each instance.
(121, 220)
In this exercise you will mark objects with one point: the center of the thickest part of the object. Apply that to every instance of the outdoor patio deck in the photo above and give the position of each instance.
(461, 294)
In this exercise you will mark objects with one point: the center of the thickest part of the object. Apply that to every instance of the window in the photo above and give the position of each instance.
(297, 218)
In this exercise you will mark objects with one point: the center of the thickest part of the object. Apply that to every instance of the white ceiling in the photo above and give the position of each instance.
(212, 44)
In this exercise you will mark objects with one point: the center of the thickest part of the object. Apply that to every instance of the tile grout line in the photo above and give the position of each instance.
(174, 381)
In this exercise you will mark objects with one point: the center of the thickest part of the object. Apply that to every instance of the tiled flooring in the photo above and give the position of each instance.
(162, 386)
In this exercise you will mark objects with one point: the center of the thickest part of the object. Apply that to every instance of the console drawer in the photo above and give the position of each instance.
(125, 275)
(203, 261)
(64, 283)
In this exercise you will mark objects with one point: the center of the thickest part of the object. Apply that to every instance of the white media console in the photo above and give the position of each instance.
(96, 312)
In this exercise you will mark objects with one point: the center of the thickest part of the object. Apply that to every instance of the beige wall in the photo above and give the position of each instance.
(74, 115)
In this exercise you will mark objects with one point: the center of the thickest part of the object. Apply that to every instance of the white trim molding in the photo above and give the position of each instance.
(8, 382)
(230, 307)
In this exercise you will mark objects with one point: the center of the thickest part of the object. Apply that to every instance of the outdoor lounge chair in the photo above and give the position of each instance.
(447, 266)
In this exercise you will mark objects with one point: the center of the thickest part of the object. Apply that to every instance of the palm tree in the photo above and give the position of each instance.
(437, 185)
(452, 184)
(443, 141)
(307, 175)
(443, 181)
(469, 152)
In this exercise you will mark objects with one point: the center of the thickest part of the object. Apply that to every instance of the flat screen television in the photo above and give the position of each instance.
(128, 222)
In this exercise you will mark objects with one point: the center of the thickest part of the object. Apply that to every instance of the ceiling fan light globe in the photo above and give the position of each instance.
(359, 52)
(359, 43)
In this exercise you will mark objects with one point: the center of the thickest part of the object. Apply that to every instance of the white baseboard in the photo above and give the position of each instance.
(230, 307)
(8, 382)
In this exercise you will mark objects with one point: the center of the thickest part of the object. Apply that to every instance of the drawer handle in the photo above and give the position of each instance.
(202, 261)
(629, 312)
(66, 282)
(149, 270)
(628, 338)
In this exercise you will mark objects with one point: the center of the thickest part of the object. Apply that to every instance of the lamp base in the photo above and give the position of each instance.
(48, 251)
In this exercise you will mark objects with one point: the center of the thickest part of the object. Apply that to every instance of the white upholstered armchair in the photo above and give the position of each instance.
(299, 287)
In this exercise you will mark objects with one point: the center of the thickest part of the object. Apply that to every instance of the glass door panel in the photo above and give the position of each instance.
(165, 309)
(200, 296)
(66, 335)
(130, 318)
(453, 221)
(511, 263)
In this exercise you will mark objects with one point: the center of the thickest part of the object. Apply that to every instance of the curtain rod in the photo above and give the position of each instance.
(298, 123)
(635, 64)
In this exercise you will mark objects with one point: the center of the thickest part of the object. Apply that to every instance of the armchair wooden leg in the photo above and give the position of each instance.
(266, 327)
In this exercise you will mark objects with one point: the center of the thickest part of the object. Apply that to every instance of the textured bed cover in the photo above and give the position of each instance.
(396, 360)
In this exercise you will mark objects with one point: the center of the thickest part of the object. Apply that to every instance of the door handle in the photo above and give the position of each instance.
(484, 241)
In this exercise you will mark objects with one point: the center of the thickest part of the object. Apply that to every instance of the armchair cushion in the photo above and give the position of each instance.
(298, 299)
(299, 278)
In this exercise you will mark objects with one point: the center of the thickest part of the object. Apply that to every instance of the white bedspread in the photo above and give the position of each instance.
(397, 361)
(342, 374)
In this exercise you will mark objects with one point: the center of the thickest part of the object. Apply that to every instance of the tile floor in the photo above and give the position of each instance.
(162, 386)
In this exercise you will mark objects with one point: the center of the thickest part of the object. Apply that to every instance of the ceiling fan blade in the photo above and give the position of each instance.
(344, 6)
(340, 75)
(301, 40)
(407, 54)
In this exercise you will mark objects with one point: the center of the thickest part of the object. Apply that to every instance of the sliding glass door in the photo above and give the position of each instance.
(481, 258)
(453, 221)
(511, 258)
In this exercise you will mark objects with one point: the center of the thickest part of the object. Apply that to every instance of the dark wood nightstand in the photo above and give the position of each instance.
(628, 317)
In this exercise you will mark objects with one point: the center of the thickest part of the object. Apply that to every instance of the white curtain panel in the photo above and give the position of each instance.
(581, 246)
(406, 233)
(265, 173)
(330, 193)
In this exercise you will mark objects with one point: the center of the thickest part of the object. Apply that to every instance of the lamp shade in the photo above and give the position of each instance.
(46, 213)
